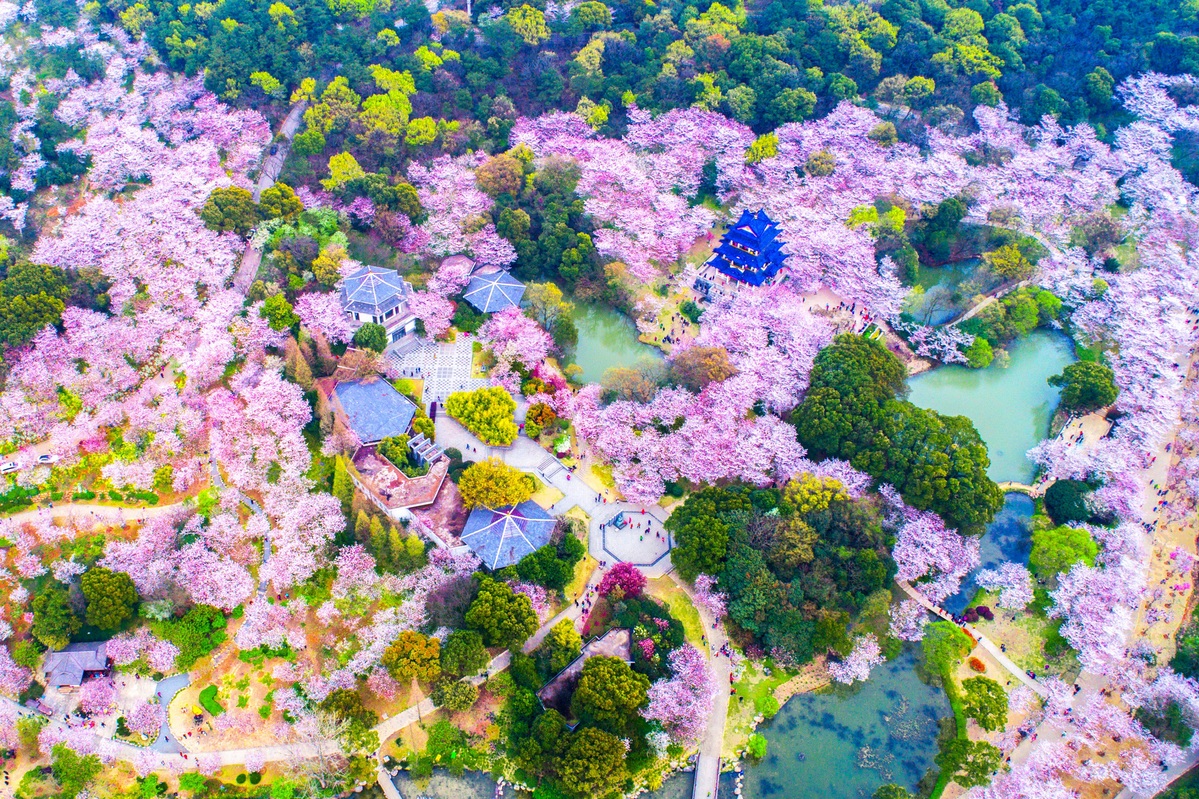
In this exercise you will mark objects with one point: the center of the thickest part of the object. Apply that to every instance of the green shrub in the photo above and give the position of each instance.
(486, 412)
(756, 746)
(208, 701)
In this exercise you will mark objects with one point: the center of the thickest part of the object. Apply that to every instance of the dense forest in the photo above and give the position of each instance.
(778, 62)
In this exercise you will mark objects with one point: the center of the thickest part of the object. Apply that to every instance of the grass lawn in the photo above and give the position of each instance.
(546, 495)
(583, 570)
(681, 607)
(752, 691)
(1024, 634)
(477, 361)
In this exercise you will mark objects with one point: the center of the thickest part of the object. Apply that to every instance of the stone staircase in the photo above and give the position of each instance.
(424, 449)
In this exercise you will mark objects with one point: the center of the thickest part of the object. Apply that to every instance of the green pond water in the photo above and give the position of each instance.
(607, 339)
(1011, 406)
(844, 744)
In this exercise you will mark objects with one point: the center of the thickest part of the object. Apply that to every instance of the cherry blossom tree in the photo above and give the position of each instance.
(1013, 582)
(145, 719)
(682, 703)
(865, 655)
(97, 695)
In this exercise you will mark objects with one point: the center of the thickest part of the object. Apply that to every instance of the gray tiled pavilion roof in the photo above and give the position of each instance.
(502, 536)
(494, 291)
(67, 666)
(374, 409)
(373, 290)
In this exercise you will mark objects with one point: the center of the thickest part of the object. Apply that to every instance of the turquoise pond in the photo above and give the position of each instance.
(1011, 406)
(607, 339)
(845, 743)
(1008, 538)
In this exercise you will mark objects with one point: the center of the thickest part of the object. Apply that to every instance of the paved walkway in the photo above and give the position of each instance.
(983, 641)
(166, 690)
(646, 551)
(445, 367)
(105, 513)
(271, 168)
(707, 766)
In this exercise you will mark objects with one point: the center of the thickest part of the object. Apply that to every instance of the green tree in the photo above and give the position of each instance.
(504, 617)
(884, 134)
(701, 533)
(280, 202)
(32, 296)
(1086, 386)
(73, 771)
(53, 620)
(493, 484)
(552, 566)
(821, 164)
(1056, 549)
(111, 597)
(562, 645)
(1066, 501)
(608, 694)
(979, 354)
(985, 701)
(544, 304)
(892, 791)
(486, 412)
(1009, 263)
(500, 174)
(413, 656)
(756, 746)
(308, 142)
(969, 763)
(346, 705)
(371, 336)
(765, 146)
(343, 167)
(278, 312)
(852, 412)
(463, 654)
(455, 695)
(944, 645)
(528, 23)
(230, 209)
(593, 764)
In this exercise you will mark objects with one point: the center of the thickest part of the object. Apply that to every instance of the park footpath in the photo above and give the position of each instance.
(271, 167)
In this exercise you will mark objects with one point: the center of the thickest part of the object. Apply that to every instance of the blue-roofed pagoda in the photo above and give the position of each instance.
(750, 251)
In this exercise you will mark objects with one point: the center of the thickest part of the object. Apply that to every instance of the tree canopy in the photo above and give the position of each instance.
(486, 412)
(111, 597)
(852, 411)
(504, 617)
(413, 656)
(492, 483)
(985, 701)
(1056, 549)
(1086, 386)
(608, 694)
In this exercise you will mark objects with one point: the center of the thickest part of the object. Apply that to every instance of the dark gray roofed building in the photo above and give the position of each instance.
(379, 295)
(502, 536)
(373, 409)
(494, 291)
(67, 667)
